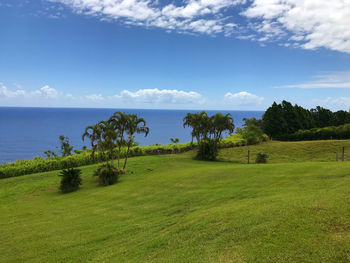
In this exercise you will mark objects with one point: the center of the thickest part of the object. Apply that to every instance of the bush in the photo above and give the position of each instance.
(207, 150)
(261, 158)
(107, 174)
(70, 180)
(325, 133)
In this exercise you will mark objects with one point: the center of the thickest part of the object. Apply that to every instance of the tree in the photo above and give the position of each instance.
(119, 122)
(174, 140)
(208, 131)
(66, 148)
(108, 139)
(134, 125)
(273, 121)
(251, 132)
(253, 121)
(50, 154)
(220, 123)
(94, 134)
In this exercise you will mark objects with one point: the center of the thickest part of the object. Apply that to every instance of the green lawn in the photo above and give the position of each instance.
(175, 209)
(286, 152)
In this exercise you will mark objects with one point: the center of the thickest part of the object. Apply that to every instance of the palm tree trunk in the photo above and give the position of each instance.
(126, 156)
(119, 147)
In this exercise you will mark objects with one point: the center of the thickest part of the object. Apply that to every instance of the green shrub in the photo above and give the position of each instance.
(326, 133)
(107, 174)
(70, 180)
(207, 150)
(261, 158)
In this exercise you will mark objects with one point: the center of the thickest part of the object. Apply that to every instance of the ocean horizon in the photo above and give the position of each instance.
(26, 132)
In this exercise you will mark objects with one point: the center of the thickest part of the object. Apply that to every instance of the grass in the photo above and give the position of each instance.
(286, 152)
(175, 209)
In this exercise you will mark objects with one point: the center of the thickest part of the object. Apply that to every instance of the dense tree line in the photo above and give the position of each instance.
(284, 118)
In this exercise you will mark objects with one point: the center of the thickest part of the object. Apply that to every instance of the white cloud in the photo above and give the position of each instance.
(95, 97)
(46, 92)
(192, 16)
(337, 80)
(6, 93)
(311, 24)
(337, 103)
(242, 98)
(308, 24)
(160, 96)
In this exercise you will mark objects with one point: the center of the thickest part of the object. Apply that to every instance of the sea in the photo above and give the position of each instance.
(28, 132)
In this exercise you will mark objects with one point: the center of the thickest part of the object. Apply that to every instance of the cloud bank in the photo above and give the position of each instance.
(337, 80)
(142, 98)
(306, 24)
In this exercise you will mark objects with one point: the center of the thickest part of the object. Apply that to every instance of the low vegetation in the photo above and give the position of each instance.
(326, 133)
(71, 180)
(290, 152)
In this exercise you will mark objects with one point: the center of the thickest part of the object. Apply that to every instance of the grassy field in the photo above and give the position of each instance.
(175, 209)
(286, 152)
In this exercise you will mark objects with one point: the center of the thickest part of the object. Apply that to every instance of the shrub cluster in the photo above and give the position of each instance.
(107, 174)
(71, 180)
(326, 133)
(261, 158)
(207, 150)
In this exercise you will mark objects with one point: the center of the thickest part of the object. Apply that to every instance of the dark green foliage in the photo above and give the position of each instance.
(107, 174)
(261, 158)
(70, 180)
(251, 132)
(174, 140)
(282, 119)
(207, 150)
(66, 148)
(50, 154)
(326, 133)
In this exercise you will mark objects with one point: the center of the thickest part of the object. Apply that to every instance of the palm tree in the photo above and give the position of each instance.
(221, 123)
(196, 122)
(94, 134)
(119, 121)
(108, 138)
(189, 122)
(134, 125)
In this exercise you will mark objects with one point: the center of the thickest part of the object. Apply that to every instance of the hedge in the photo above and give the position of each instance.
(326, 133)
(38, 164)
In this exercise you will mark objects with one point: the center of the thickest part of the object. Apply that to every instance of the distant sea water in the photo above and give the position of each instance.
(28, 132)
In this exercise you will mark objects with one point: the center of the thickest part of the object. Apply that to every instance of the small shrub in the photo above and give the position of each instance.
(107, 174)
(70, 180)
(208, 150)
(261, 158)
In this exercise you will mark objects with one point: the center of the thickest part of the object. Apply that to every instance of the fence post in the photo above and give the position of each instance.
(336, 156)
(248, 156)
(342, 154)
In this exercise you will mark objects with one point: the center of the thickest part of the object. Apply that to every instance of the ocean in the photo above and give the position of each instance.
(28, 132)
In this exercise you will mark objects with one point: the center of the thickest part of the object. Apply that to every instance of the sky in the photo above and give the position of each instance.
(193, 54)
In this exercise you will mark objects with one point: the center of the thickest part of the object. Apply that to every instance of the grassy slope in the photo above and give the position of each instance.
(278, 152)
(175, 209)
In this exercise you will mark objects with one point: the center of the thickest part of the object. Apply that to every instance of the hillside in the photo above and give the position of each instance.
(175, 209)
(286, 152)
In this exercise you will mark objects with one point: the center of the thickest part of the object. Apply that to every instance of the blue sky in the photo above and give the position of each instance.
(195, 54)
